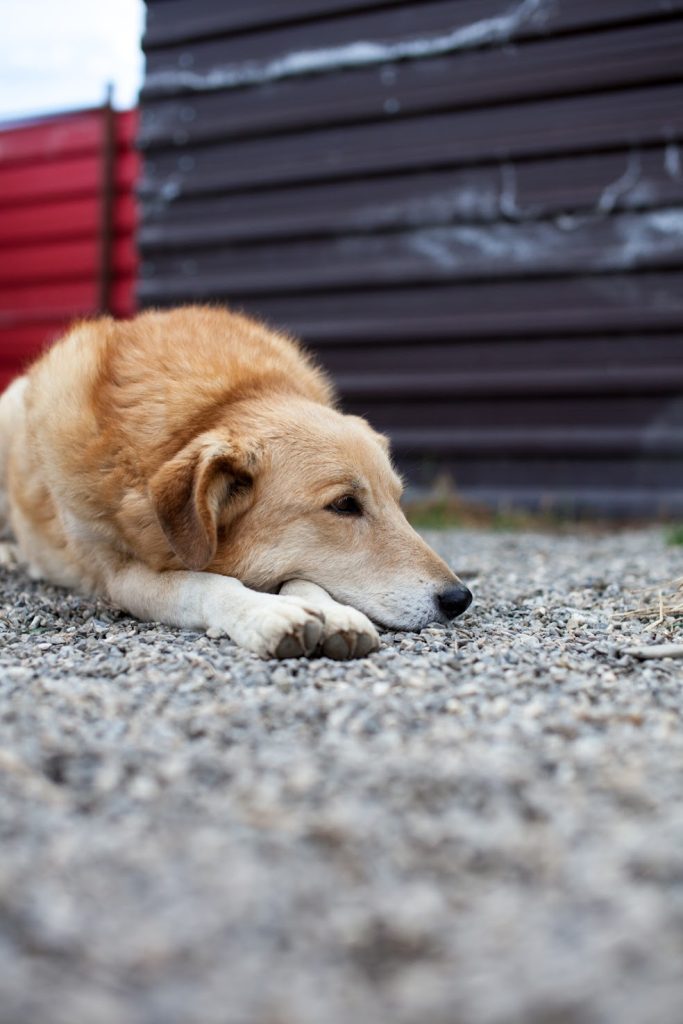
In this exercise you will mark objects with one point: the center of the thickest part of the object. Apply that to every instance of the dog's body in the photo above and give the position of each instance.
(187, 464)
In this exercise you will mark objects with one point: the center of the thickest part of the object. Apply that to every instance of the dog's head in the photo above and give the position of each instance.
(304, 492)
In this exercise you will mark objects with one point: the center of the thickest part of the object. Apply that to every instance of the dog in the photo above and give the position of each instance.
(191, 467)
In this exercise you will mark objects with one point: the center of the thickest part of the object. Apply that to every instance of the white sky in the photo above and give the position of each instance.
(60, 54)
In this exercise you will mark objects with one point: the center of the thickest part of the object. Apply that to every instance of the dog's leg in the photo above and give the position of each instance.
(268, 624)
(9, 554)
(347, 633)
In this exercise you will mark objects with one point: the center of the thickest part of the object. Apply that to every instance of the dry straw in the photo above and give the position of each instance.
(661, 606)
(660, 603)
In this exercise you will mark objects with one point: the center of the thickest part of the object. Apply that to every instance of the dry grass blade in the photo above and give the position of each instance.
(660, 604)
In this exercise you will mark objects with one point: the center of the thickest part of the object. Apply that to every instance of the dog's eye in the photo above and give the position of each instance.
(346, 506)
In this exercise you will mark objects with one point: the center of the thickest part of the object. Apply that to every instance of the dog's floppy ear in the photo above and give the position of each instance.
(206, 479)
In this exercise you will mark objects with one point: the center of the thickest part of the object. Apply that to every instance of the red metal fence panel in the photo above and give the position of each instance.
(67, 227)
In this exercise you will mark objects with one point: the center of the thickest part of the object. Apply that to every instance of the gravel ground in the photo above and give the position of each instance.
(481, 825)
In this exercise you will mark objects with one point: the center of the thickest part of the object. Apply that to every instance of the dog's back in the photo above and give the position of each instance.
(112, 401)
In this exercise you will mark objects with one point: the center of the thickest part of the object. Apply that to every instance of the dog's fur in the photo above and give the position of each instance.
(184, 464)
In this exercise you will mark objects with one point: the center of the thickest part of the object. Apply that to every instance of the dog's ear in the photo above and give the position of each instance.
(202, 485)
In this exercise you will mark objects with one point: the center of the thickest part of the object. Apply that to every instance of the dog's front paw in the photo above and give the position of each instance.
(282, 627)
(347, 633)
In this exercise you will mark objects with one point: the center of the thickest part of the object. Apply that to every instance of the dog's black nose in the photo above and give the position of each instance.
(455, 600)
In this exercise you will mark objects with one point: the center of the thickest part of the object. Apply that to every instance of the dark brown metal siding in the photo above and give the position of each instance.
(471, 209)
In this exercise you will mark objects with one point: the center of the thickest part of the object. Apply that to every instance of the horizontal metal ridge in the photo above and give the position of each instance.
(597, 381)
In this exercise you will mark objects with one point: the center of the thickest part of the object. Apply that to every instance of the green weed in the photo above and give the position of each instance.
(675, 535)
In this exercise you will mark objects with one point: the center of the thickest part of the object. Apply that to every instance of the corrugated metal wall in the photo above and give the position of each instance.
(67, 226)
(471, 209)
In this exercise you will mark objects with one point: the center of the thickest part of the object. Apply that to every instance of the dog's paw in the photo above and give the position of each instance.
(347, 633)
(282, 627)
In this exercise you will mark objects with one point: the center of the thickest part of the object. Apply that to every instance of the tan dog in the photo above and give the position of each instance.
(191, 467)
